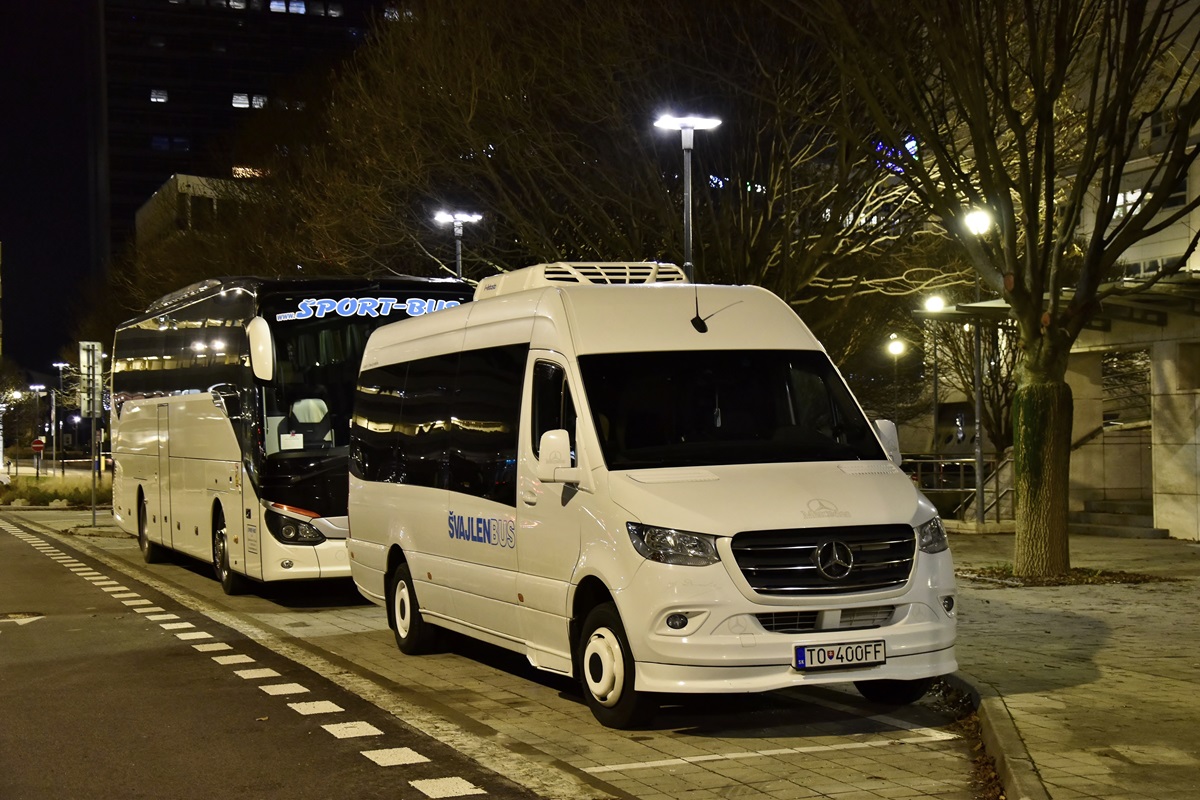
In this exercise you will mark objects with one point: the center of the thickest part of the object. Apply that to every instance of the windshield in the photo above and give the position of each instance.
(712, 407)
(318, 351)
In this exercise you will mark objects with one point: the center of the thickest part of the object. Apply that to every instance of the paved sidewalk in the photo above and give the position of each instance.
(1085, 691)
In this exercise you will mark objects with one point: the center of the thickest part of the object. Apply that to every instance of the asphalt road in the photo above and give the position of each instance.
(110, 688)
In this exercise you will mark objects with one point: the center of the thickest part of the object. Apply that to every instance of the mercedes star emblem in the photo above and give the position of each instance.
(834, 559)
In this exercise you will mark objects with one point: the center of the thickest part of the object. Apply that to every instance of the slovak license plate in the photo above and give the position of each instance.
(855, 654)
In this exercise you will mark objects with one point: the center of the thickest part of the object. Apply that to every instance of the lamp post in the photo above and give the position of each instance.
(457, 219)
(686, 126)
(37, 389)
(895, 346)
(978, 222)
(54, 423)
(935, 305)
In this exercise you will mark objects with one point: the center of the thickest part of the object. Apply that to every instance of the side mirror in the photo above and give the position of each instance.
(262, 349)
(554, 459)
(225, 397)
(886, 429)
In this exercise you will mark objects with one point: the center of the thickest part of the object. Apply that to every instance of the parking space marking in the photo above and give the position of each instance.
(190, 635)
(212, 647)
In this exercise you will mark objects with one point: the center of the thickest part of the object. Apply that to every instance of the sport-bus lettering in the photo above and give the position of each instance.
(317, 308)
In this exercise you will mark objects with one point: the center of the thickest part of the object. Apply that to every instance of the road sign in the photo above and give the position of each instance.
(91, 381)
(38, 445)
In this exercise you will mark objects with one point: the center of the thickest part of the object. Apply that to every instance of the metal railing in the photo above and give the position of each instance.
(950, 484)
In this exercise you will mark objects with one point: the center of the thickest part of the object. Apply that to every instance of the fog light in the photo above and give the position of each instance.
(948, 604)
(286, 563)
(677, 622)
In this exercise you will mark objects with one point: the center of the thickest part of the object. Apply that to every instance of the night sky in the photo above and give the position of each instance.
(44, 250)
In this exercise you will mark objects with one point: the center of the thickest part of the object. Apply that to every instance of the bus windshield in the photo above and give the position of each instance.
(714, 407)
(307, 406)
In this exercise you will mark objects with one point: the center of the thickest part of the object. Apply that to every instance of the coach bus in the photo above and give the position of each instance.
(231, 409)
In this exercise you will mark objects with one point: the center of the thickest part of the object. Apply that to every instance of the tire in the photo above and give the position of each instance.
(606, 672)
(414, 636)
(152, 552)
(231, 582)
(894, 693)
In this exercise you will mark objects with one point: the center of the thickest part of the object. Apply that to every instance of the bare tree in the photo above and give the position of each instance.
(1037, 113)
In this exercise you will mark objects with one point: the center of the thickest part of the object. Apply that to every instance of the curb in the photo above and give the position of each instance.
(1001, 739)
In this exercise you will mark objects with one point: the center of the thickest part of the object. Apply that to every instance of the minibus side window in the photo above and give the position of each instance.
(484, 422)
(553, 407)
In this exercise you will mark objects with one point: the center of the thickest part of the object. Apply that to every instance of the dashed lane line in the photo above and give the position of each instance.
(466, 744)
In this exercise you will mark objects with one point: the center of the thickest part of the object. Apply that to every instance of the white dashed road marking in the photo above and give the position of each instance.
(395, 756)
(446, 787)
(385, 757)
(316, 707)
(352, 730)
(284, 688)
(255, 674)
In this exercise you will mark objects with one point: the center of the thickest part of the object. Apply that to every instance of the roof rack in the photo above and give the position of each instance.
(595, 273)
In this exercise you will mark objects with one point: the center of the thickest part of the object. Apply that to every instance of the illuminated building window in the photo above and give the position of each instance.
(335, 9)
(158, 95)
(241, 100)
(260, 101)
(279, 6)
(296, 6)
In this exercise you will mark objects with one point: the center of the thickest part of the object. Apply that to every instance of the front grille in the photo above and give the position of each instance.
(808, 621)
(784, 563)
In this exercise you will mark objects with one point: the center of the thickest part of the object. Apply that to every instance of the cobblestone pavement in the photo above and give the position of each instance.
(1096, 684)
(535, 728)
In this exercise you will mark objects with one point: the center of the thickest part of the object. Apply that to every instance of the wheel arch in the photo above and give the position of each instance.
(590, 593)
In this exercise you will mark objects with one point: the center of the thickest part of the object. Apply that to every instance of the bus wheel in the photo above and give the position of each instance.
(607, 670)
(414, 635)
(152, 552)
(231, 582)
(894, 693)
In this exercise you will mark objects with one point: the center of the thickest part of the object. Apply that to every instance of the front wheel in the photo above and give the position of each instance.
(894, 693)
(231, 582)
(414, 635)
(607, 672)
(152, 552)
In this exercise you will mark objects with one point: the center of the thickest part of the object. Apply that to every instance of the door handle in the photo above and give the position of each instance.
(529, 498)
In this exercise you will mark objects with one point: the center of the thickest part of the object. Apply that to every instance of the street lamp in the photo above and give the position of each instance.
(978, 222)
(37, 389)
(935, 305)
(457, 218)
(895, 346)
(685, 126)
(55, 425)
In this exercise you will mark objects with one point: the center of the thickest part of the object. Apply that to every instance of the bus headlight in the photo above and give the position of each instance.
(669, 546)
(931, 536)
(290, 530)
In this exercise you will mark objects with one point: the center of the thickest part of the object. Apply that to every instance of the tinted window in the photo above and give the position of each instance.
(434, 422)
(485, 419)
(552, 405)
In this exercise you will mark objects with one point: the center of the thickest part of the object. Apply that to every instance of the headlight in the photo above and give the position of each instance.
(290, 530)
(931, 536)
(669, 546)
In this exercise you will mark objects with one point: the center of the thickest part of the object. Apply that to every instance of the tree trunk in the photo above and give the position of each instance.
(1042, 412)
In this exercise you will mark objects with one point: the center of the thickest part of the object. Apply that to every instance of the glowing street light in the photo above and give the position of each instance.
(895, 346)
(685, 126)
(457, 219)
(978, 221)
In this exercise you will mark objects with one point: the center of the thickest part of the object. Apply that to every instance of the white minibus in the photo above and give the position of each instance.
(655, 486)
